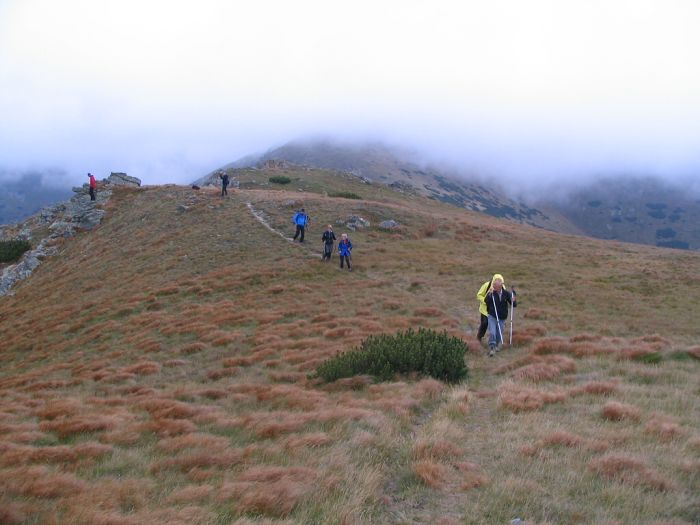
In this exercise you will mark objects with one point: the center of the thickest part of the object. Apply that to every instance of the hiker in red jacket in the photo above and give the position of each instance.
(93, 185)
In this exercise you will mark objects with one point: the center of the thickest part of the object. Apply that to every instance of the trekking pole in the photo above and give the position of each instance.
(512, 313)
(498, 322)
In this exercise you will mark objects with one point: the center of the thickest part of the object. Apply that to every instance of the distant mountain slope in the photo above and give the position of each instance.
(22, 197)
(378, 163)
(640, 210)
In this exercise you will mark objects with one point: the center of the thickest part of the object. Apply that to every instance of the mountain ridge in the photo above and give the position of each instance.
(620, 203)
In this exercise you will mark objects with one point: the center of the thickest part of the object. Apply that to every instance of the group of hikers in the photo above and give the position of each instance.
(301, 220)
(494, 298)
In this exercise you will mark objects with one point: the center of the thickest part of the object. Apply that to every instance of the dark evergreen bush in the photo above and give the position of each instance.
(280, 179)
(345, 195)
(427, 352)
(12, 250)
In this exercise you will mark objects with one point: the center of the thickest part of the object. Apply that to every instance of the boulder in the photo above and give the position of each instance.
(389, 225)
(355, 222)
(122, 179)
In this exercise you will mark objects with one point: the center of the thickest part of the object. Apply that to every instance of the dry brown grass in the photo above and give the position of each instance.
(156, 396)
(40, 482)
(431, 472)
(663, 427)
(630, 470)
(615, 411)
(517, 398)
(274, 491)
(472, 475)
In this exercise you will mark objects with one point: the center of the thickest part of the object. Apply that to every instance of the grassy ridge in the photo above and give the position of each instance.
(156, 371)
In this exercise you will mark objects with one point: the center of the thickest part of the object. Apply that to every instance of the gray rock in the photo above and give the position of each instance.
(389, 225)
(122, 179)
(18, 272)
(46, 215)
(62, 229)
(355, 222)
(89, 218)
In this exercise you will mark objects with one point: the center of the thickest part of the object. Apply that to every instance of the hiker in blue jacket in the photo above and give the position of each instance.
(301, 219)
(344, 250)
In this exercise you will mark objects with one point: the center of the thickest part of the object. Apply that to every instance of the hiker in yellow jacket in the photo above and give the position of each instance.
(481, 296)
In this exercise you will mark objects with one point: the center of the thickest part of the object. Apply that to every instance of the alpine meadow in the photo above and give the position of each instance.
(162, 367)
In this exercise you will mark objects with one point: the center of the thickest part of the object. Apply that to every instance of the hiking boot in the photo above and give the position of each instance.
(498, 348)
(492, 353)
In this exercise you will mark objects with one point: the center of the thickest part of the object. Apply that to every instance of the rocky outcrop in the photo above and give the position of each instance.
(25, 266)
(354, 222)
(122, 179)
(389, 225)
(64, 220)
(274, 164)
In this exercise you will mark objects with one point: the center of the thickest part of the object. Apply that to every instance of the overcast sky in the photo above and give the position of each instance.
(520, 90)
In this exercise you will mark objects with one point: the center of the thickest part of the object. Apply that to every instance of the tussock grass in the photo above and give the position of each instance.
(174, 388)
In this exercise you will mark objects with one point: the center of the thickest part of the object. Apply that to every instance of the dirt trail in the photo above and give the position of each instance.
(446, 504)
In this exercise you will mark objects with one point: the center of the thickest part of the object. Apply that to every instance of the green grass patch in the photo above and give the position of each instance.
(650, 359)
(345, 195)
(427, 352)
(280, 179)
(12, 250)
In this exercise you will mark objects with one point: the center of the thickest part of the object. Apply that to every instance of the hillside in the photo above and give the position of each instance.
(642, 210)
(378, 163)
(156, 370)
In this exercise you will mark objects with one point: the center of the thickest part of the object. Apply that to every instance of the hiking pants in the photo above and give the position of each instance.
(300, 230)
(223, 191)
(92, 194)
(496, 336)
(327, 251)
(347, 259)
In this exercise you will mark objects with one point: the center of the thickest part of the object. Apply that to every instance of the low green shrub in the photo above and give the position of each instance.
(426, 351)
(651, 358)
(12, 250)
(280, 179)
(345, 195)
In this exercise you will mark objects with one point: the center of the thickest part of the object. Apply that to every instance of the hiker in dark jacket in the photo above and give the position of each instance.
(344, 250)
(301, 219)
(93, 186)
(328, 239)
(497, 300)
(224, 183)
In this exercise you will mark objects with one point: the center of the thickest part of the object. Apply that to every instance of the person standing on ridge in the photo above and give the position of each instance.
(483, 311)
(93, 186)
(301, 219)
(224, 183)
(344, 250)
(328, 239)
(497, 300)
